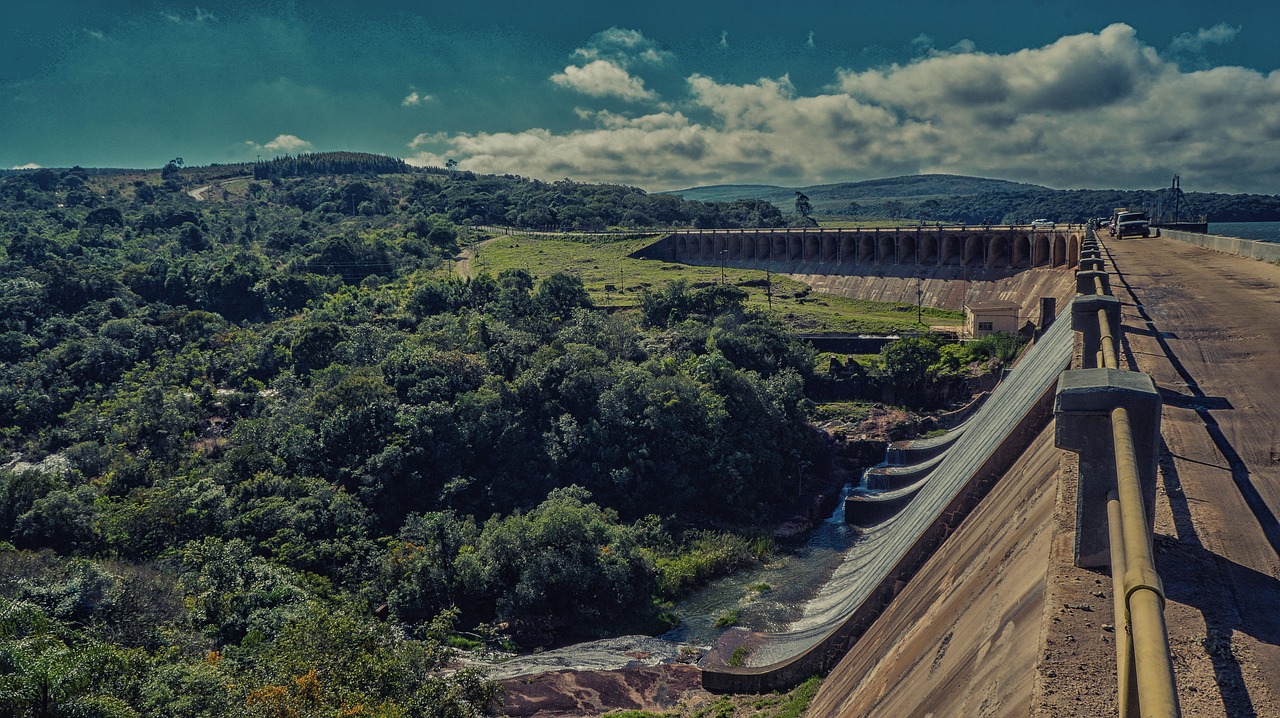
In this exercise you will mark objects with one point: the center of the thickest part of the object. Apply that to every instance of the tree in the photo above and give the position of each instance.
(906, 364)
(803, 207)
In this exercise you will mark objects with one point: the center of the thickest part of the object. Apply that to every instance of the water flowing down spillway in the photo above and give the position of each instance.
(793, 578)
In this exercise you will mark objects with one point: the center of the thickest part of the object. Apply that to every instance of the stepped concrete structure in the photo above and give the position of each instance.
(1001, 621)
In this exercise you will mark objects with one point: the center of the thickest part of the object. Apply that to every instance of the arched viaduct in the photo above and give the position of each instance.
(1004, 247)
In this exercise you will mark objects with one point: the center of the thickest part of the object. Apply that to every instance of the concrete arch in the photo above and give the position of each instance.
(812, 247)
(907, 248)
(952, 250)
(795, 249)
(997, 251)
(1021, 257)
(830, 251)
(778, 247)
(848, 249)
(886, 250)
(928, 249)
(867, 249)
(1073, 250)
(761, 250)
(975, 251)
(1042, 253)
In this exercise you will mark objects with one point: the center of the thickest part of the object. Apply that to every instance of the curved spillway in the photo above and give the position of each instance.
(830, 620)
(915, 451)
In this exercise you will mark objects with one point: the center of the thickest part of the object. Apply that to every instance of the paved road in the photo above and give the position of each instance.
(1206, 327)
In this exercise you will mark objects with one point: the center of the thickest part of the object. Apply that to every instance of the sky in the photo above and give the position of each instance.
(659, 94)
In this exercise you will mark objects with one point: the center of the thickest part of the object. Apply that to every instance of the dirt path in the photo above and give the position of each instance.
(198, 193)
(462, 263)
(1206, 327)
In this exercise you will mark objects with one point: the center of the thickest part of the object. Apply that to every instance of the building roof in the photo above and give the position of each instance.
(992, 306)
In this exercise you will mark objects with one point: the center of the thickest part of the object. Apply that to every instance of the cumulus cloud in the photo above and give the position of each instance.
(622, 47)
(414, 99)
(724, 38)
(282, 143)
(606, 64)
(28, 166)
(1095, 109)
(602, 78)
(1192, 43)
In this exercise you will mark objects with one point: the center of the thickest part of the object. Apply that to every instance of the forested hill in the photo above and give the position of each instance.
(952, 198)
(264, 455)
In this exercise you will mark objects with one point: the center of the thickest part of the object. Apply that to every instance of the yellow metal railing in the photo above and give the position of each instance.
(1143, 662)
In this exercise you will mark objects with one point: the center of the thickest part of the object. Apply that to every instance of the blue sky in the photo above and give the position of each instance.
(659, 94)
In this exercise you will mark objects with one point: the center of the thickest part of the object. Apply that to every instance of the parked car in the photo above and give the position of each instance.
(1041, 224)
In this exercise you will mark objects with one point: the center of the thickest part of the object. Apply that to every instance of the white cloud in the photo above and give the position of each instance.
(414, 98)
(603, 78)
(623, 48)
(28, 166)
(724, 38)
(1189, 43)
(282, 143)
(1088, 110)
(201, 16)
(809, 43)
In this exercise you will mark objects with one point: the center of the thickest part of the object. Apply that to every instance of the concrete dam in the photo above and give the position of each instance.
(1002, 249)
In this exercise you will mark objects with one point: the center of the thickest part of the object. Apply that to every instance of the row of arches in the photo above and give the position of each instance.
(997, 249)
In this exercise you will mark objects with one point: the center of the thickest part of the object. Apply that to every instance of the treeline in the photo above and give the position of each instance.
(260, 442)
(329, 163)
(1020, 207)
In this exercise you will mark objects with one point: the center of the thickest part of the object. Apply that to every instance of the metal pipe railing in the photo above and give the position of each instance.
(1144, 666)
(1156, 694)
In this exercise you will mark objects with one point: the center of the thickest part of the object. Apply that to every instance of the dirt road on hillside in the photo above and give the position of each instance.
(1206, 327)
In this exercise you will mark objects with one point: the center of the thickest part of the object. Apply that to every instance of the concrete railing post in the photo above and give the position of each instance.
(1083, 408)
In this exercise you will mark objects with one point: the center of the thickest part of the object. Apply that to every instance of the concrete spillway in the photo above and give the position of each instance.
(892, 550)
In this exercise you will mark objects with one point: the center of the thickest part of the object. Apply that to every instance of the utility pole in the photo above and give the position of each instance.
(768, 286)
(919, 300)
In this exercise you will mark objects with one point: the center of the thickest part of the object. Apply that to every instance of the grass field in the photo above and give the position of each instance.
(615, 279)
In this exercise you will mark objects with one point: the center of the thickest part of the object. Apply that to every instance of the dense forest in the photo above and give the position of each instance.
(973, 200)
(267, 455)
(267, 458)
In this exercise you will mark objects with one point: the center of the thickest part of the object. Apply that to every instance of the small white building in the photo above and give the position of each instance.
(983, 318)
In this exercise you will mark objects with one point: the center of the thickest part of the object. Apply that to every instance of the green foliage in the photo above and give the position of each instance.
(287, 428)
(739, 656)
(728, 618)
(703, 556)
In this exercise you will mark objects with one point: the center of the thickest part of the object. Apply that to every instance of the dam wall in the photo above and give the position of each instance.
(1251, 248)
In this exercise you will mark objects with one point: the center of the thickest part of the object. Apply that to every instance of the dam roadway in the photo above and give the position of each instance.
(1000, 622)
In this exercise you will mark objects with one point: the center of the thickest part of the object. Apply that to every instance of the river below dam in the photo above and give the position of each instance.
(767, 596)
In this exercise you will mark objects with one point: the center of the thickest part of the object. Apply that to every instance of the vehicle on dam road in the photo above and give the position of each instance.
(1041, 224)
(1132, 224)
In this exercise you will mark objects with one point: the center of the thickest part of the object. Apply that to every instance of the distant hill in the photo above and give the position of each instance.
(956, 198)
(910, 187)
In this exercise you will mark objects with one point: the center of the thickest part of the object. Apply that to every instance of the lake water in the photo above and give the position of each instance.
(1264, 231)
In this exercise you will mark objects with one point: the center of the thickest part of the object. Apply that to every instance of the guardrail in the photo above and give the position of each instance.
(646, 231)
(1111, 418)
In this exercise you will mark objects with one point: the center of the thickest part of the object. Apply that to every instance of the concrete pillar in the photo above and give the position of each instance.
(1084, 281)
(1048, 312)
(1082, 409)
(1084, 319)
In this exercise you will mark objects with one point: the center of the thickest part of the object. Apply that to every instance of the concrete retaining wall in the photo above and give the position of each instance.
(1251, 248)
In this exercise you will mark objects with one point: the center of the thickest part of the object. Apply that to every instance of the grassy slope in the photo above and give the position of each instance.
(607, 263)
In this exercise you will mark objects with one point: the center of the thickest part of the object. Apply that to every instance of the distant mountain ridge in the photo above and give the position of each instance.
(958, 198)
(914, 187)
